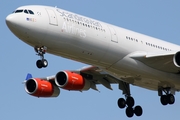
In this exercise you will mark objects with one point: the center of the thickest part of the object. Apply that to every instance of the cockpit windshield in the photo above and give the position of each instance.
(31, 12)
(25, 11)
(18, 11)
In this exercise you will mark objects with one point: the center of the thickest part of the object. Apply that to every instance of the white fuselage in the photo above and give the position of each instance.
(93, 42)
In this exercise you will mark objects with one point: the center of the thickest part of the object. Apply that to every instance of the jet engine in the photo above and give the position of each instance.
(71, 81)
(176, 59)
(41, 88)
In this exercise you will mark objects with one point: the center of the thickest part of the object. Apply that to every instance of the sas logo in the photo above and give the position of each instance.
(31, 19)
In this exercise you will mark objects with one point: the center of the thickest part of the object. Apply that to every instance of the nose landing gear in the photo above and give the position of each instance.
(40, 52)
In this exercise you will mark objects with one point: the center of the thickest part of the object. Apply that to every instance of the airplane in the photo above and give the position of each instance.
(115, 55)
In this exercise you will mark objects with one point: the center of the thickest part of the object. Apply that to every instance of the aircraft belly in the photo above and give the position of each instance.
(137, 73)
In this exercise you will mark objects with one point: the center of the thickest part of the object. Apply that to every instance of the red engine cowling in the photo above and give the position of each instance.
(71, 81)
(41, 88)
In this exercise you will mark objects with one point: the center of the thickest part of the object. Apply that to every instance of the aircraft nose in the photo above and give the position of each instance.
(14, 23)
(10, 21)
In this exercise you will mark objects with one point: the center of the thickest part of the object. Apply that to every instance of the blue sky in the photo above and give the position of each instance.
(157, 18)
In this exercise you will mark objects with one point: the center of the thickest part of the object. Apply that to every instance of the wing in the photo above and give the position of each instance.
(95, 76)
(99, 76)
(166, 61)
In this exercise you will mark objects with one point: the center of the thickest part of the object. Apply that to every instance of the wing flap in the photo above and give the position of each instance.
(98, 76)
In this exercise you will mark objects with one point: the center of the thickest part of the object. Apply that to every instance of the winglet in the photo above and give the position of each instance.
(29, 76)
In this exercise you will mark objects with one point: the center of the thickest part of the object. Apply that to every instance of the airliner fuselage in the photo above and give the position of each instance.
(126, 55)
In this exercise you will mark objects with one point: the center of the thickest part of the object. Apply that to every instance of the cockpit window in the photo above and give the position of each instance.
(31, 12)
(18, 11)
(25, 11)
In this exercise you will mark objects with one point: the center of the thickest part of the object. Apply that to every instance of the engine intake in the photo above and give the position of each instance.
(41, 88)
(176, 59)
(71, 81)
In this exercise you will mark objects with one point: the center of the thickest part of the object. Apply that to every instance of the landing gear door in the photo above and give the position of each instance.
(114, 37)
(52, 17)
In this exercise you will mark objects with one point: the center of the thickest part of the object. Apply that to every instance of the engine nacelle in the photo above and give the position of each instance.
(41, 88)
(71, 81)
(176, 59)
